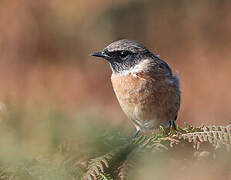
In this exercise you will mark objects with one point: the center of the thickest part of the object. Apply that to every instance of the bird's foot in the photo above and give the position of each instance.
(173, 128)
(136, 134)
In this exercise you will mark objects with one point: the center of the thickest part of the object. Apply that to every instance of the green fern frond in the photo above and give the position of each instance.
(123, 170)
(153, 143)
(217, 138)
(96, 167)
(104, 176)
(225, 129)
(117, 163)
(107, 163)
(126, 166)
(188, 129)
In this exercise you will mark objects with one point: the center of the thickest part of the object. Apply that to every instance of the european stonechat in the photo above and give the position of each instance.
(147, 90)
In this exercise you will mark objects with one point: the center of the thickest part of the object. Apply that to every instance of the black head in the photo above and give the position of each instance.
(123, 54)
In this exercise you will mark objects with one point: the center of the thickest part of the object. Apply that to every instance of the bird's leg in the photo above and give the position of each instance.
(136, 134)
(172, 124)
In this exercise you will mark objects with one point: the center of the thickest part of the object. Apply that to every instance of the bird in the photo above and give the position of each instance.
(144, 84)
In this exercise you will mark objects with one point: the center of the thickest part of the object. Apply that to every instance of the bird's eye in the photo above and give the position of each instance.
(124, 54)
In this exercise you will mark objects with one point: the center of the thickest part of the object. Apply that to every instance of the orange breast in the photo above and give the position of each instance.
(146, 101)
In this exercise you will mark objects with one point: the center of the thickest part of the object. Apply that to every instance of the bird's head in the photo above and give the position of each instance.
(123, 54)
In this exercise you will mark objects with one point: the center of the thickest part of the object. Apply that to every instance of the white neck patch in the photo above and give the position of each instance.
(134, 70)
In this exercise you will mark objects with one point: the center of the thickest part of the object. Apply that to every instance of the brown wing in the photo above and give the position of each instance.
(164, 88)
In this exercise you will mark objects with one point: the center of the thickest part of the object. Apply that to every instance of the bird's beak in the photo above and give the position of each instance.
(97, 54)
(100, 54)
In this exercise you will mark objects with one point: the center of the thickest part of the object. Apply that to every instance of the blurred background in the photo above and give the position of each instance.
(46, 72)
